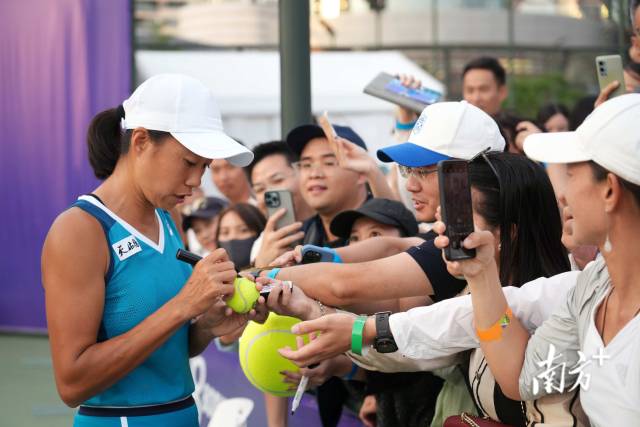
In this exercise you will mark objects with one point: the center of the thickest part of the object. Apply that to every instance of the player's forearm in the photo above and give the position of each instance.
(199, 338)
(102, 364)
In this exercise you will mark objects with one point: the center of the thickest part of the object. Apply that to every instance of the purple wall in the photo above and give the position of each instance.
(61, 62)
(220, 377)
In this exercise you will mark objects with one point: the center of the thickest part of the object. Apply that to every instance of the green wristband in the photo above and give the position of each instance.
(356, 335)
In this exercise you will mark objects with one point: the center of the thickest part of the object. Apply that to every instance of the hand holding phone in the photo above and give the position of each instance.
(312, 253)
(280, 199)
(390, 88)
(282, 232)
(609, 69)
(455, 207)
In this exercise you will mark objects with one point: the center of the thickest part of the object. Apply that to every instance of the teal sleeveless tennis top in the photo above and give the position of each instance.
(142, 277)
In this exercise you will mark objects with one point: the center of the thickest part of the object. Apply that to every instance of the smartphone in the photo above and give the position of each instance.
(455, 207)
(388, 87)
(312, 253)
(609, 69)
(277, 199)
(332, 136)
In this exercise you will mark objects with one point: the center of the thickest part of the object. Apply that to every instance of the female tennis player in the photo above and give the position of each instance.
(124, 315)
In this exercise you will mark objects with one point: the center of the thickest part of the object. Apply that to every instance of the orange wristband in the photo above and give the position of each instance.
(494, 332)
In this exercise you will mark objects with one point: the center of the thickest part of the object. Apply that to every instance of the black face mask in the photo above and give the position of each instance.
(239, 251)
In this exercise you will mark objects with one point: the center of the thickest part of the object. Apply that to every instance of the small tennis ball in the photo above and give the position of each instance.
(259, 357)
(244, 296)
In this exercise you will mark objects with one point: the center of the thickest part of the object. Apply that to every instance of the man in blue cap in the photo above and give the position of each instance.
(446, 130)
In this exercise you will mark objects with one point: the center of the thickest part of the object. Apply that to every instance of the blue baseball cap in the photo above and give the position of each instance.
(446, 130)
(300, 136)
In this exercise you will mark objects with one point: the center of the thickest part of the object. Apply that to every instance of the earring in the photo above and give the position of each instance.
(607, 244)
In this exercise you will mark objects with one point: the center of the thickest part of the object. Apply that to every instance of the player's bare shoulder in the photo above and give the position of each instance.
(75, 240)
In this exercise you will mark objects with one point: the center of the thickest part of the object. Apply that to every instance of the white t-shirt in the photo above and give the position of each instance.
(615, 381)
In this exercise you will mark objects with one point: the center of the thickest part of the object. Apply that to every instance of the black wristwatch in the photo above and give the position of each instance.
(384, 342)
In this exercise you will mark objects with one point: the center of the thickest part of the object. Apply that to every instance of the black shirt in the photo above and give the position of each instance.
(314, 234)
(429, 258)
(429, 235)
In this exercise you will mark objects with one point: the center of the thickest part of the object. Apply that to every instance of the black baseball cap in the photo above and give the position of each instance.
(298, 137)
(384, 211)
(203, 208)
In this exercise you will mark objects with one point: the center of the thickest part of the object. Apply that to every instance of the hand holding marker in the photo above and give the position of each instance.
(243, 299)
(245, 294)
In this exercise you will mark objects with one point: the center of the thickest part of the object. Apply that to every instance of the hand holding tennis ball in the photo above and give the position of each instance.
(244, 297)
(259, 357)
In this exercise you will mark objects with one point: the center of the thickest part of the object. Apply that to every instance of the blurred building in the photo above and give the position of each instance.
(155, 19)
(357, 23)
(539, 36)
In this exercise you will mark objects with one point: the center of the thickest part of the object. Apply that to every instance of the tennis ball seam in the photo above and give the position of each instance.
(248, 372)
(244, 300)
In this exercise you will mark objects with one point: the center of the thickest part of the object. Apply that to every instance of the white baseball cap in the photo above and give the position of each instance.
(446, 130)
(184, 107)
(609, 136)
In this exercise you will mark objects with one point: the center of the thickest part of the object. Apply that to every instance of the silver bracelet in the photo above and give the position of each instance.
(322, 310)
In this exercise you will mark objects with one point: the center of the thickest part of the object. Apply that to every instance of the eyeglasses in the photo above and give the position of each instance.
(420, 172)
(326, 163)
(423, 171)
(484, 156)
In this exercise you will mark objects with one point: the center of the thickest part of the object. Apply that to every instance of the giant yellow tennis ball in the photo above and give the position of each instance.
(259, 357)
(244, 295)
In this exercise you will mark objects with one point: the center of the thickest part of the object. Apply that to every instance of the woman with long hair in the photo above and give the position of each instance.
(591, 340)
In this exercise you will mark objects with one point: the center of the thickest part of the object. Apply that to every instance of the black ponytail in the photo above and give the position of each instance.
(104, 139)
(107, 142)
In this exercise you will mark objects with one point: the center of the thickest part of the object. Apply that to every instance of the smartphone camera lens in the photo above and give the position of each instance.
(311, 257)
(272, 200)
(314, 256)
